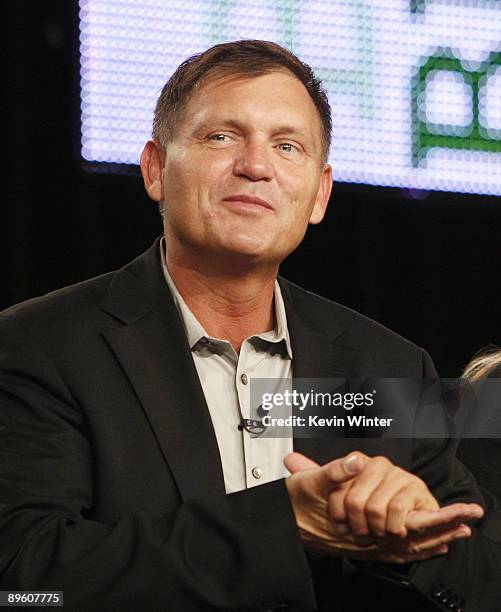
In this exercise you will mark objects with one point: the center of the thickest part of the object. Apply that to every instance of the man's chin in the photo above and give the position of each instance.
(249, 254)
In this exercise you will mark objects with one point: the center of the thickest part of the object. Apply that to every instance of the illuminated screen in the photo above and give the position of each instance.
(414, 85)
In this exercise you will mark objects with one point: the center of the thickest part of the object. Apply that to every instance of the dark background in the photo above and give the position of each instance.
(427, 268)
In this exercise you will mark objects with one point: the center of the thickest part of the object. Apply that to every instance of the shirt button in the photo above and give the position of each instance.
(257, 472)
(244, 378)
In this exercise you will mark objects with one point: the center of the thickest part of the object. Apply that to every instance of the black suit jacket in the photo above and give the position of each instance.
(111, 484)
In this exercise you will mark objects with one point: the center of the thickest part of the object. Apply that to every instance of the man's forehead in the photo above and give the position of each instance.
(296, 99)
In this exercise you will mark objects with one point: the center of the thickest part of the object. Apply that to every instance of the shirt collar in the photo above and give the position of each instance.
(195, 331)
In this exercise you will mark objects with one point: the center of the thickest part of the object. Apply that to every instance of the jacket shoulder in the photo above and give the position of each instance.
(359, 328)
(67, 308)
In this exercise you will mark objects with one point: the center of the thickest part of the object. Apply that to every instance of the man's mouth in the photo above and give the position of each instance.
(248, 199)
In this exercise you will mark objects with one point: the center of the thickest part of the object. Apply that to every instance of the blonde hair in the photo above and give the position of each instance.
(485, 362)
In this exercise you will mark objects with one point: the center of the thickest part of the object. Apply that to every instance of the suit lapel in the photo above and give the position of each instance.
(319, 350)
(153, 351)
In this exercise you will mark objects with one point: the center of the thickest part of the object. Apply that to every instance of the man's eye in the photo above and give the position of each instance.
(287, 147)
(219, 137)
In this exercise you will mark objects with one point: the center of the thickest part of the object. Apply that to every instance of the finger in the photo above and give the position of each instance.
(447, 515)
(398, 493)
(428, 542)
(342, 531)
(350, 465)
(443, 549)
(359, 492)
(324, 479)
(409, 497)
(344, 468)
(396, 550)
(393, 520)
(339, 471)
(395, 556)
(335, 503)
(296, 462)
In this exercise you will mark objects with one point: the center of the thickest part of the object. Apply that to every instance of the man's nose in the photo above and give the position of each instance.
(254, 162)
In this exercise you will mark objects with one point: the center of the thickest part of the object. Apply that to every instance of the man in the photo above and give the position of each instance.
(125, 478)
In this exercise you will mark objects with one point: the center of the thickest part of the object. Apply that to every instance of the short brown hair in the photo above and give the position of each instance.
(252, 57)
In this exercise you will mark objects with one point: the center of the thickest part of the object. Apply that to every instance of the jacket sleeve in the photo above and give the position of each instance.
(240, 551)
(467, 578)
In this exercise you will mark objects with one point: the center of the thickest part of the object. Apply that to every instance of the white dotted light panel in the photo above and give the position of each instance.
(415, 85)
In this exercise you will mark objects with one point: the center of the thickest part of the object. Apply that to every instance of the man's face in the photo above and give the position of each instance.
(243, 173)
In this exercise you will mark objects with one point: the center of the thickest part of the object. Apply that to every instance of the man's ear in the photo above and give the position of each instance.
(152, 169)
(323, 195)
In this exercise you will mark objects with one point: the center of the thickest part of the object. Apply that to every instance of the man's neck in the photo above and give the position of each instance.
(230, 304)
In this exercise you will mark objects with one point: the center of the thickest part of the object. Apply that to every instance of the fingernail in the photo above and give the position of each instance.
(362, 530)
(461, 534)
(353, 464)
(443, 549)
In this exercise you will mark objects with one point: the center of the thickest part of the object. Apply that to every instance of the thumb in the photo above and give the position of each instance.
(341, 470)
(296, 462)
(331, 474)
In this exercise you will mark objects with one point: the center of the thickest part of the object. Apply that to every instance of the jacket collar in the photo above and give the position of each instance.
(153, 351)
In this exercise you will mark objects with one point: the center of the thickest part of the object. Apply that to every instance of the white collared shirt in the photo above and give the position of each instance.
(247, 460)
